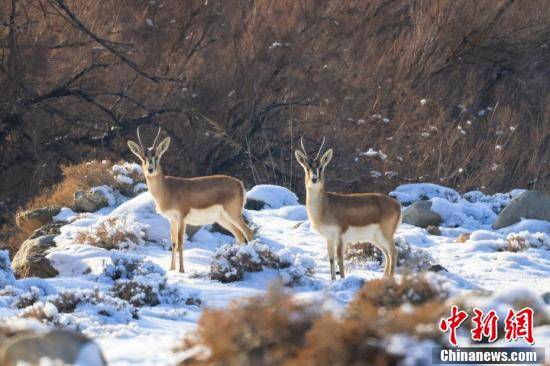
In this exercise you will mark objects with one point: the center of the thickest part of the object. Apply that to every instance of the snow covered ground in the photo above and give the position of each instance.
(479, 263)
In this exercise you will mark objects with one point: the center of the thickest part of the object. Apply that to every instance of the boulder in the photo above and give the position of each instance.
(528, 205)
(191, 230)
(91, 200)
(437, 268)
(66, 347)
(31, 261)
(30, 220)
(253, 204)
(50, 229)
(420, 214)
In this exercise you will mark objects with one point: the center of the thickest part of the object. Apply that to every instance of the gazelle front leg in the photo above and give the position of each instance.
(330, 249)
(340, 252)
(181, 237)
(174, 240)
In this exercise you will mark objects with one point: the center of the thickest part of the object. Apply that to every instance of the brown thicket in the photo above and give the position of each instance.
(279, 330)
(236, 83)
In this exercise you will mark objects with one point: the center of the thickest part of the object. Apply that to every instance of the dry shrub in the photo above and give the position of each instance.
(113, 233)
(42, 311)
(232, 261)
(264, 330)
(463, 238)
(137, 293)
(276, 329)
(390, 293)
(76, 177)
(518, 242)
(408, 257)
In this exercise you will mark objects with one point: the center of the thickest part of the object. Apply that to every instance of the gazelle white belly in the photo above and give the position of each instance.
(203, 216)
(361, 234)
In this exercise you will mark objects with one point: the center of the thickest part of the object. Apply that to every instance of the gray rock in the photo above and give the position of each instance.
(31, 261)
(50, 229)
(191, 230)
(420, 214)
(90, 201)
(252, 204)
(529, 205)
(30, 220)
(69, 347)
(546, 298)
(437, 268)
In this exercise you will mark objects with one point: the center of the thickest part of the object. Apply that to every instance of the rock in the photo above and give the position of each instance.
(433, 230)
(420, 214)
(217, 228)
(437, 268)
(528, 205)
(50, 229)
(91, 200)
(30, 220)
(546, 298)
(31, 261)
(191, 230)
(66, 347)
(253, 204)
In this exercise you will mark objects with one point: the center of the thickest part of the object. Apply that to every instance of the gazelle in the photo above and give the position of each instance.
(348, 218)
(194, 201)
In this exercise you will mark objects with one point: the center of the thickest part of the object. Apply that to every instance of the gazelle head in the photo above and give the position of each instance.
(150, 157)
(314, 168)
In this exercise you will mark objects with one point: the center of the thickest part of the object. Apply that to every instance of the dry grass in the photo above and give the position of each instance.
(277, 330)
(76, 177)
(81, 176)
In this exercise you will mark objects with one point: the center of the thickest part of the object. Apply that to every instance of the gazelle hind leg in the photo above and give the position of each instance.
(390, 252)
(236, 219)
(226, 224)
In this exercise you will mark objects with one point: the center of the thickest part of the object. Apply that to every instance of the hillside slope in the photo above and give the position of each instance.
(454, 92)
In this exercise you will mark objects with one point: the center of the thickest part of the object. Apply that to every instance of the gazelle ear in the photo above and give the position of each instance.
(326, 158)
(163, 146)
(136, 149)
(301, 158)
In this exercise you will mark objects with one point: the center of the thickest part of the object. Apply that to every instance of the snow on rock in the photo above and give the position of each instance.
(273, 196)
(408, 193)
(65, 215)
(6, 273)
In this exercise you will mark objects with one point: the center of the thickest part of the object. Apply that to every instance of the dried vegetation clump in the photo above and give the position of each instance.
(409, 258)
(276, 329)
(112, 233)
(519, 242)
(231, 262)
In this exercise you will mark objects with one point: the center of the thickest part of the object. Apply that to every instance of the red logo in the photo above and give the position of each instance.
(516, 325)
(452, 323)
(485, 325)
(520, 325)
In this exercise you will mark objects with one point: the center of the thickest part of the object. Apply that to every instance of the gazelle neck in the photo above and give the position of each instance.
(315, 199)
(156, 183)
